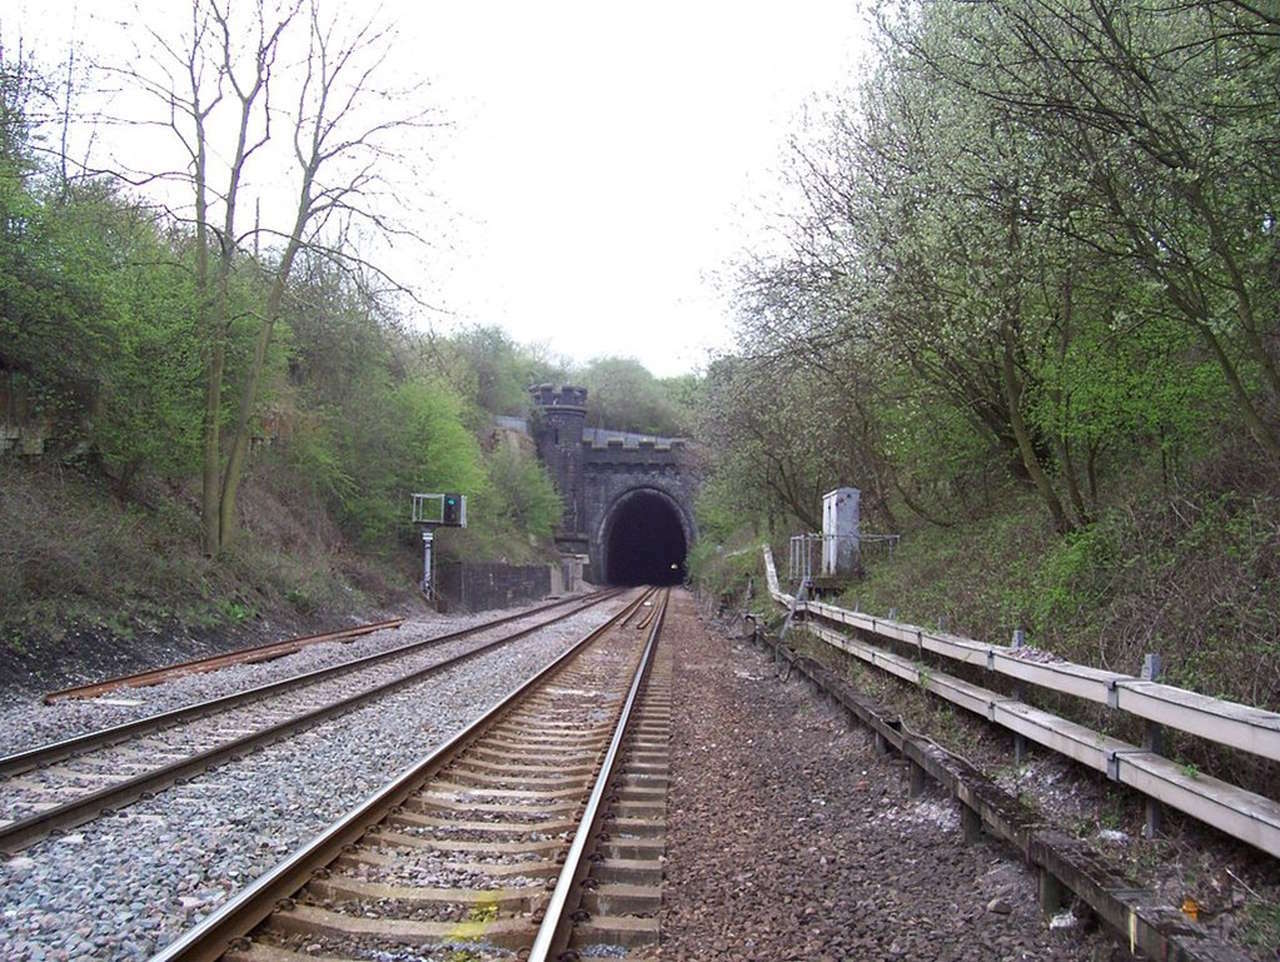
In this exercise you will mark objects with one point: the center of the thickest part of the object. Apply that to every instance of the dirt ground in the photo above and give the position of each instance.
(789, 838)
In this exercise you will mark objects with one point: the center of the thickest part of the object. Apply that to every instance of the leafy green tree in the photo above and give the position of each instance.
(213, 90)
(144, 405)
(524, 498)
(407, 437)
(484, 364)
(986, 274)
(1167, 118)
(624, 396)
(95, 308)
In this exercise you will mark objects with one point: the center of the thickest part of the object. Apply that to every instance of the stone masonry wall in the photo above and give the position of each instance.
(479, 587)
(595, 470)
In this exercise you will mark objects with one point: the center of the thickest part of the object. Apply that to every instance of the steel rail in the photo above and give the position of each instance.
(643, 623)
(236, 918)
(200, 666)
(553, 933)
(22, 832)
(52, 752)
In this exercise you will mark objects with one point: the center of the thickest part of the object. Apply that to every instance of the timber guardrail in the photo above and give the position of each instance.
(1141, 915)
(1245, 815)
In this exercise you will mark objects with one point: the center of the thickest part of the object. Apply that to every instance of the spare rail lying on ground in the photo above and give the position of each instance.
(1140, 916)
(23, 832)
(56, 751)
(237, 917)
(196, 666)
(1242, 814)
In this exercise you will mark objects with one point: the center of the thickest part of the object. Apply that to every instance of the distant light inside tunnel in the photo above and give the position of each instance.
(645, 544)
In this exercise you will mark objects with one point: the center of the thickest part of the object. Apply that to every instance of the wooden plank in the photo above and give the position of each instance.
(1229, 723)
(1250, 729)
(1053, 731)
(771, 572)
(1064, 676)
(1151, 923)
(940, 642)
(973, 697)
(868, 653)
(1244, 815)
(1140, 917)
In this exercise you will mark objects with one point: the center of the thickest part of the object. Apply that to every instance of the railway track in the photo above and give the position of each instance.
(196, 666)
(540, 827)
(65, 783)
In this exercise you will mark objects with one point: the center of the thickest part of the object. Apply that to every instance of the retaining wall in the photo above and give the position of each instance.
(472, 586)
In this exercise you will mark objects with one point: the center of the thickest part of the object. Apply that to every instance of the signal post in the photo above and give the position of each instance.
(431, 511)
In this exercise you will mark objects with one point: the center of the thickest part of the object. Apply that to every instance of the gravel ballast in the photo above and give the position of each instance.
(122, 887)
(28, 722)
(790, 838)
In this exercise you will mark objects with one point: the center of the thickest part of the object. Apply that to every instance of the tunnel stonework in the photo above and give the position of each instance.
(606, 476)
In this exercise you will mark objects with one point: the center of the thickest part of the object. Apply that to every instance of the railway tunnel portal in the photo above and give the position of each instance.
(628, 498)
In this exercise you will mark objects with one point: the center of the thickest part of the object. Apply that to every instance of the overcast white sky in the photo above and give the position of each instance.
(602, 162)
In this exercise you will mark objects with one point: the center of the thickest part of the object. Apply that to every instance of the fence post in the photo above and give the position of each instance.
(1019, 740)
(1152, 741)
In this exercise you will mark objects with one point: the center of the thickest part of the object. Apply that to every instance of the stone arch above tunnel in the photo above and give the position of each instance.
(595, 468)
(643, 537)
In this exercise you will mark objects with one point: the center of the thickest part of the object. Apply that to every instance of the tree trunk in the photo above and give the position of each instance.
(1260, 430)
(1073, 485)
(1013, 397)
(216, 361)
(918, 508)
(1091, 471)
(234, 473)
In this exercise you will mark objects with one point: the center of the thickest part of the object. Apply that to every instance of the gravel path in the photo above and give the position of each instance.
(27, 722)
(122, 887)
(790, 839)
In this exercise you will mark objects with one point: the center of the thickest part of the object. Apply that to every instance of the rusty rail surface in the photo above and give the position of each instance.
(226, 930)
(197, 666)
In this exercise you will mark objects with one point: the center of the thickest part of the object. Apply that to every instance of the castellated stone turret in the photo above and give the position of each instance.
(562, 413)
(619, 489)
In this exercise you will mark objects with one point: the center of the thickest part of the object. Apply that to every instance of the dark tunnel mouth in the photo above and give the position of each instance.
(645, 542)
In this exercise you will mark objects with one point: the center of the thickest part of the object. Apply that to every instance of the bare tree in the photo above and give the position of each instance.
(228, 85)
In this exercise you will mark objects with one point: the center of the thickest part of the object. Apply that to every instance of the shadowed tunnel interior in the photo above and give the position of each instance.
(646, 545)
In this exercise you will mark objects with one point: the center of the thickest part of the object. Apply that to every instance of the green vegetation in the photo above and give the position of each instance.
(1037, 246)
(232, 432)
(622, 395)
(1261, 928)
(107, 337)
(483, 913)
(1029, 307)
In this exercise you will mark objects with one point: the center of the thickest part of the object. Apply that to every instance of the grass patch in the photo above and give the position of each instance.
(1260, 927)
